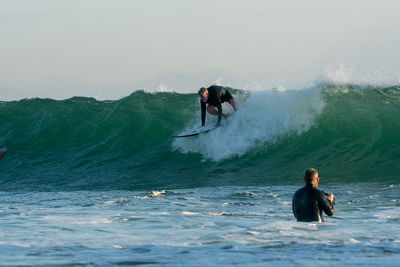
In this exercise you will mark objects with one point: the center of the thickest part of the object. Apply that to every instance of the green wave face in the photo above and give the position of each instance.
(349, 133)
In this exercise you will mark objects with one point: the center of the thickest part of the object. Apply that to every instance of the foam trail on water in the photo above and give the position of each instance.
(263, 118)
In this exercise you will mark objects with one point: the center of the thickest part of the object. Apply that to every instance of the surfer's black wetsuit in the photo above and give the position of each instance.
(216, 96)
(308, 204)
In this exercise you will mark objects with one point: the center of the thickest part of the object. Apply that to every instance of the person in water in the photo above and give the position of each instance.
(214, 96)
(309, 202)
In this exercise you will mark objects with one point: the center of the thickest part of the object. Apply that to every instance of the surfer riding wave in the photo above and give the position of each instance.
(214, 96)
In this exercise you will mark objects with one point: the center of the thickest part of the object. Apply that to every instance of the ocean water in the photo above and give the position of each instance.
(102, 183)
(208, 226)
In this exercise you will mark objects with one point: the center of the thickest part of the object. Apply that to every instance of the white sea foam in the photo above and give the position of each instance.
(263, 118)
(152, 194)
(347, 73)
(366, 61)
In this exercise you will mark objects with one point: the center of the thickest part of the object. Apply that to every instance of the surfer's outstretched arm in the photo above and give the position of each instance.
(203, 113)
(219, 107)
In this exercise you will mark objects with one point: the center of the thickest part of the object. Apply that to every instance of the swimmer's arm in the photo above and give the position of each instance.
(326, 204)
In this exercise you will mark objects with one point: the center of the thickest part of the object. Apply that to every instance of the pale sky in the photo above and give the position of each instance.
(61, 48)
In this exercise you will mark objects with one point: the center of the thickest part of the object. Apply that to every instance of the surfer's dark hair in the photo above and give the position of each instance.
(202, 90)
(310, 175)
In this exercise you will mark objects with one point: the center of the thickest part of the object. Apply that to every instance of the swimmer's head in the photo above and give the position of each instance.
(311, 176)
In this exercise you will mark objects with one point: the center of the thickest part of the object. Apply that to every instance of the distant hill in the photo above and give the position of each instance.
(165, 81)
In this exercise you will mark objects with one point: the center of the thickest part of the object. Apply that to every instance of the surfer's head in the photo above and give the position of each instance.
(203, 93)
(311, 176)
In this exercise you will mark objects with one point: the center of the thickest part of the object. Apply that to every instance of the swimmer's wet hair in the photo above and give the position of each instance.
(310, 175)
(202, 90)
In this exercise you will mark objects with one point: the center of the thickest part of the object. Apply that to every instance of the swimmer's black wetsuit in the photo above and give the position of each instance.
(308, 204)
(216, 96)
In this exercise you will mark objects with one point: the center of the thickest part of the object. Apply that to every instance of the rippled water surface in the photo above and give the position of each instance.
(198, 227)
